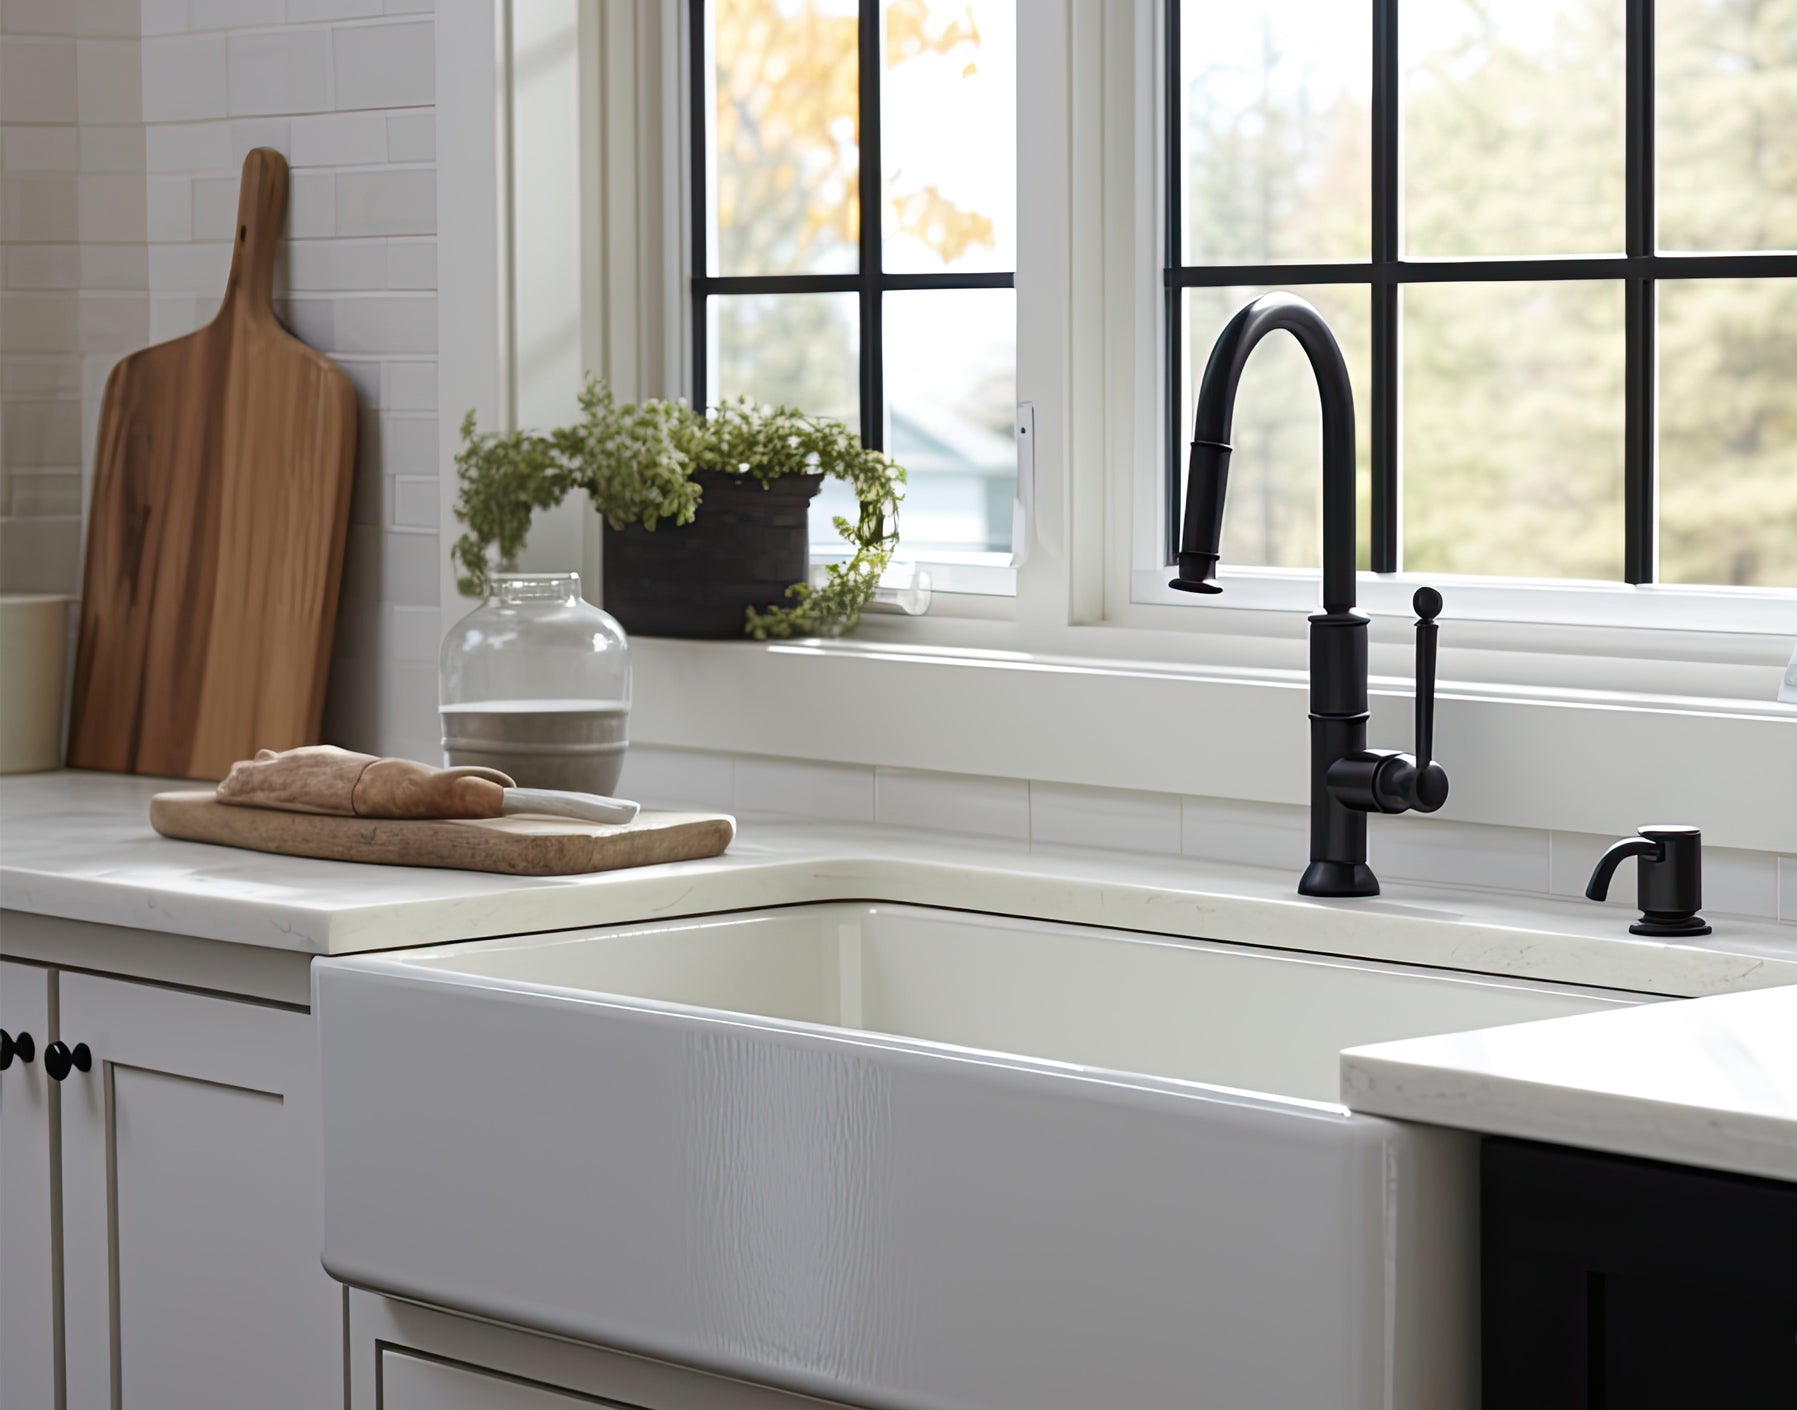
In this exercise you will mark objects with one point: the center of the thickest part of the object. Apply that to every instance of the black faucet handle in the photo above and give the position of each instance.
(1384, 780)
(1427, 603)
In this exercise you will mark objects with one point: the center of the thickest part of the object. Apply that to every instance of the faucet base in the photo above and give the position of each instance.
(1338, 879)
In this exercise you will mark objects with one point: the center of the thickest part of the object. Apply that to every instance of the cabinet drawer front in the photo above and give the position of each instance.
(190, 1181)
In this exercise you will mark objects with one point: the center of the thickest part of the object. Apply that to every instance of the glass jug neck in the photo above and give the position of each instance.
(519, 589)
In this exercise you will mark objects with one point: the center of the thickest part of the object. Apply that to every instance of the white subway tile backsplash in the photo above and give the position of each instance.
(49, 494)
(41, 266)
(1419, 847)
(37, 80)
(365, 376)
(119, 148)
(339, 139)
(169, 208)
(40, 209)
(107, 19)
(953, 803)
(175, 316)
(113, 267)
(411, 7)
(163, 17)
(301, 11)
(187, 147)
(311, 205)
(404, 445)
(398, 323)
(678, 778)
(111, 207)
(349, 265)
(215, 207)
(106, 322)
(233, 14)
(38, 433)
(313, 320)
(1740, 883)
(385, 65)
(47, 150)
(410, 386)
(1118, 819)
(185, 77)
(805, 788)
(412, 264)
(415, 502)
(108, 81)
(286, 71)
(1249, 834)
(32, 323)
(190, 268)
(411, 137)
(393, 201)
(38, 17)
(249, 133)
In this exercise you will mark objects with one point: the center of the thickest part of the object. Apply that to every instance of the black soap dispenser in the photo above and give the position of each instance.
(1669, 879)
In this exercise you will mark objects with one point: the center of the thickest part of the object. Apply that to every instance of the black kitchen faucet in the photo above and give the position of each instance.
(1347, 780)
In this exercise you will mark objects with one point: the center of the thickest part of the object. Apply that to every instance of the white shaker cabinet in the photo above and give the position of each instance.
(190, 1204)
(27, 1145)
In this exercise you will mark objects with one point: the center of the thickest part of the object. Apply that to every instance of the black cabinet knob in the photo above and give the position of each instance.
(23, 1047)
(59, 1058)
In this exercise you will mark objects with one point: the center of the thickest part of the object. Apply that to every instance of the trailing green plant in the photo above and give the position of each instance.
(636, 460)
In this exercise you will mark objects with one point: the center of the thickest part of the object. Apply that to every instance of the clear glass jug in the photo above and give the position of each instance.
(535, 682)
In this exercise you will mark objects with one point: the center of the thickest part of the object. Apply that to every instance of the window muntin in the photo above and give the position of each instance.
(1621, 336)
(807, 113)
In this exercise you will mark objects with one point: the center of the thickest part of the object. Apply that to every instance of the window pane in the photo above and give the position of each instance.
(1513, 127)
(1275, 101)
(951, 394)
(948, 135)
(1728, 431)
(799, 350)
(1726, 113)
(1273, 517)
(1513, 429)
(784, 136)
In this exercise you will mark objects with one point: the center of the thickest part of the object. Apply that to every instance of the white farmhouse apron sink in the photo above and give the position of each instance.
(912, 1158)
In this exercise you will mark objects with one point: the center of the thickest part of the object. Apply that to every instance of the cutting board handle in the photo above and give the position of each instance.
(261, 203)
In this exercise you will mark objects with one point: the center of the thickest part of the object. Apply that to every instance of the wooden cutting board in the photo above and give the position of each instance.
(215, 541)
(517, 846)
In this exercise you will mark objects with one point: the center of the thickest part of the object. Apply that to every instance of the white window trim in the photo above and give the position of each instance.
(1074, 679)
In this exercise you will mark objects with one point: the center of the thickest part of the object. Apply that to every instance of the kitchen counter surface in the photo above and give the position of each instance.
(1711, 1082)
(79, 846)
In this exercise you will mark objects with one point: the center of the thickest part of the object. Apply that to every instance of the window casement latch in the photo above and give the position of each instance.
(1023, 502)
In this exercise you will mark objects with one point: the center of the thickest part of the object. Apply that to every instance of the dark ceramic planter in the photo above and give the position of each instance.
(744, 548)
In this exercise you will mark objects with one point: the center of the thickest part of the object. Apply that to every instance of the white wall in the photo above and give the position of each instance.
(123, 154)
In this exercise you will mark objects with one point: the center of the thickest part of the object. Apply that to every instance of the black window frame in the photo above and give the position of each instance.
(871, 282)
(1639, 267)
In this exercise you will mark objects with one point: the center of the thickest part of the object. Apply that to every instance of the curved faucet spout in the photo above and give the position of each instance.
(1207, 474)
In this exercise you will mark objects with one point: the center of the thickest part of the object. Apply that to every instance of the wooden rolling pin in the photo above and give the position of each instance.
(321, 778)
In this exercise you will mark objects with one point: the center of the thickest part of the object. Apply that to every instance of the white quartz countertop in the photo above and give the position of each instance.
(1709, 1082)
(80, 846)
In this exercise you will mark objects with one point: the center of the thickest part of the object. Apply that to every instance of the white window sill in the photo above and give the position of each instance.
(1580, 760)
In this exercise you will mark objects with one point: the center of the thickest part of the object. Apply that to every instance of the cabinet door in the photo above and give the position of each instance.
(27, 1136)
(191, 1209)
(1619, 1284)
